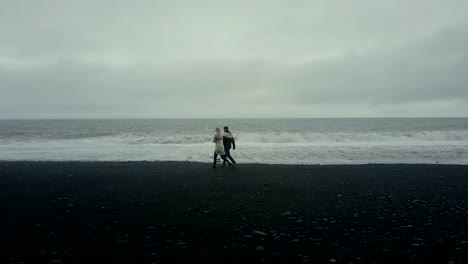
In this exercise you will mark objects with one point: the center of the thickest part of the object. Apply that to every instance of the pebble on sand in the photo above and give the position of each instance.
(259, 248)
(260, 233)
(288, 213)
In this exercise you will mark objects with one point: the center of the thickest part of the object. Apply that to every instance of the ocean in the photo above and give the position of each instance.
(284, 141)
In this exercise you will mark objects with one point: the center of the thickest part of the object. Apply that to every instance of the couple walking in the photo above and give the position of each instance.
(223, 143)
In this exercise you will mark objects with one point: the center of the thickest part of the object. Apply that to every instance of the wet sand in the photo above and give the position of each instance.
(168, 212)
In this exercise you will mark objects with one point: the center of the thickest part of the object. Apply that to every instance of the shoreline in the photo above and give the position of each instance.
(170, 211)
(240, 163)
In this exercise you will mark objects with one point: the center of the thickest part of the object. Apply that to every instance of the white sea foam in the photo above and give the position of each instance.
(429, 137)
(369, 137)
(327, 145)
(263, 148)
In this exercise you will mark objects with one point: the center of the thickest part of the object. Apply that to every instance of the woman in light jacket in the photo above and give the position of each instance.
(219, 148)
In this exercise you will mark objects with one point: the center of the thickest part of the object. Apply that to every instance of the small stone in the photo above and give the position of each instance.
(181, 244)
(259, 248)
(332, 260)
(260, 233)
(407, 226)
(288, 213)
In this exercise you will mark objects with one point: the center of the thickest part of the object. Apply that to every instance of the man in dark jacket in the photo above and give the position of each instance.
(228, 141)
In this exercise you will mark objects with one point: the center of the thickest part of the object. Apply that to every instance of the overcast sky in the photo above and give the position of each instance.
(165, 59)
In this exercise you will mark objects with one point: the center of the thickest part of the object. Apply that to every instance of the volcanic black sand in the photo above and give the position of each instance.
(180, 212)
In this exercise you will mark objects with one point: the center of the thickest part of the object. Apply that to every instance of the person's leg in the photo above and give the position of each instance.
(228, 155)
(225, 160)
(215, 157)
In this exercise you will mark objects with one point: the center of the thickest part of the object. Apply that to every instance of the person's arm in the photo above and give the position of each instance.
(233, 143)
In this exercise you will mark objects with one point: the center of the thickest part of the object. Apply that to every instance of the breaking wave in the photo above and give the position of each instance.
(271, 138)
(308, 138)
(430, 136)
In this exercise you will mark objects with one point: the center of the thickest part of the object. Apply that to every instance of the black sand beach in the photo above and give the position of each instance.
(176, 212)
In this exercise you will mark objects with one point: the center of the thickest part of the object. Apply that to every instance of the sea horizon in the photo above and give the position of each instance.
(229, 118)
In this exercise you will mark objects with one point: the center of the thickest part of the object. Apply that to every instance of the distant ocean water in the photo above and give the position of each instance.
(286, 141)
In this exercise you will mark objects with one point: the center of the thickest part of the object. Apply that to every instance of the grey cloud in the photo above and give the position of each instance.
(65, 86)
(212, 29)
(431, 68)
(264, 58)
